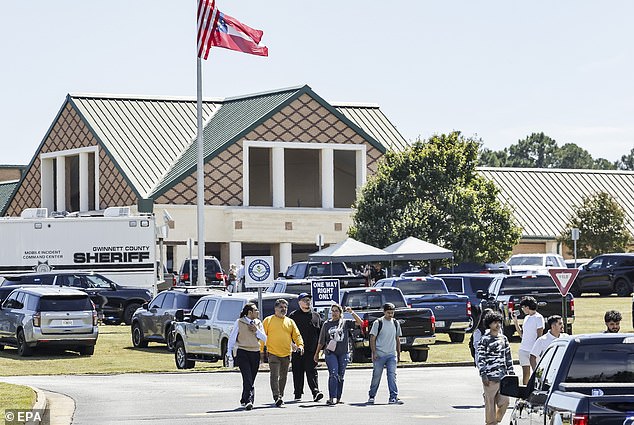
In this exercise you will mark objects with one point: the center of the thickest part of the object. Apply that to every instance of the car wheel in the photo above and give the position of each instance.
(169, 338)
(129, 311)
(180, 355)
(137, 336)
(419, 355)
(23, 349)
(88, 350)
(456, 337)
(622, 288)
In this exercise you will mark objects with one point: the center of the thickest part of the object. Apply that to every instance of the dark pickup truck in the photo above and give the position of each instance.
(452, 311)
(580, 380)
(506, 292)
(417, 324)
(298, 276)
(114, 303)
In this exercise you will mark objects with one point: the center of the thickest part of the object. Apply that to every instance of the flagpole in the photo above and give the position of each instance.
(200, 178)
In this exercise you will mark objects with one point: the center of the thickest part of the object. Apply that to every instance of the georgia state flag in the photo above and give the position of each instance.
(234, 35)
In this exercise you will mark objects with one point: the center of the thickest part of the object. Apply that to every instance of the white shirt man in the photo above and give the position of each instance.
(556, 325)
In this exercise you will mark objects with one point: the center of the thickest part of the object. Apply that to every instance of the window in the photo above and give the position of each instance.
(260, 185)
(199, 309)
(345, 168)
(96, 281)
(613, 363)
(70, 180)
(480, 283)
(292, 271)
(209, 310)
(304, 191)
(454, 284)
(187, 302)
(229, 310)
(65, 303)
(542, 367)
(32, 302)
(429, 286)
(9, 302)
(595, 264)
(158, 301)
(169, 301)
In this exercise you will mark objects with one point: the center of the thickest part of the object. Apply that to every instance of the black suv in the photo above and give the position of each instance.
(153, 322)
(214, 276)
(114, 303)
(606, 274)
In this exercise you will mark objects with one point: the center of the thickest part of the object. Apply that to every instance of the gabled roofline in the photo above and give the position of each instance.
(103, 146)
(555, 170)
(355, 105)
(144, 97)
(300, 90)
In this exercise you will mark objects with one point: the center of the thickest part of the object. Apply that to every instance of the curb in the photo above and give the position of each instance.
(41, 403)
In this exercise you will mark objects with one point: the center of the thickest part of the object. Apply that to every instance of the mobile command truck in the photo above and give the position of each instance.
(118, 245)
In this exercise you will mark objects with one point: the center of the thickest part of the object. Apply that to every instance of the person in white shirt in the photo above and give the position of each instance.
(555, 327)
(532, 328)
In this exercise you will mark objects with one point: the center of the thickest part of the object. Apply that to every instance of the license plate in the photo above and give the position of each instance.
(67, 323)
(440, 324)
(403, 340)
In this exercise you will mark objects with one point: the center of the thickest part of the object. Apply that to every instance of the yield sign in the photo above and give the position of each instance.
(563, 279)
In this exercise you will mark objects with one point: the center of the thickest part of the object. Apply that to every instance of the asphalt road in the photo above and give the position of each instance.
(432, 395)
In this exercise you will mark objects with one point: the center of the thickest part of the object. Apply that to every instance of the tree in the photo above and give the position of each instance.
(604, 164)
(489, 158)
(602, 224)
(573, 157)
(627, 161)
(432, 191)
(536, 151)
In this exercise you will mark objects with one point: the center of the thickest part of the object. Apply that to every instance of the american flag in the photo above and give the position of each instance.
(207, 21)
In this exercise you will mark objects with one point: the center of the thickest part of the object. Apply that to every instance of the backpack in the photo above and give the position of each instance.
(396, 325)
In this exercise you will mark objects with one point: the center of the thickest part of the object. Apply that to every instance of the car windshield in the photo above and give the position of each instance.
(211, 267)
(427, 286)
(525, 282)
(525, 261)
(65, 303)
(326, 269)
(603, 363)
(188, 302)
(374, 300)
(96, 281)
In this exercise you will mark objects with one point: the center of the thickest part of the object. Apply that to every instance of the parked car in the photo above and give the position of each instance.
(203, 334)
(469, 284)
(39, 316)
(585, 379)
(114, 303)
(535, 263)
(153, 321)
(298, 276)
(214, 275)
(575, 264)
(606, 274)
(506, 292)
(452, 311)
(417, 324)
(469, 267)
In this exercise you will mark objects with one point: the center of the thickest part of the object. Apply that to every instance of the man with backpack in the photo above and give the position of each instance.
(386, 351)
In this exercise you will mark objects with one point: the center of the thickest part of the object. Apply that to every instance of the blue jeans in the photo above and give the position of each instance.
(388, 362)
(336, 369)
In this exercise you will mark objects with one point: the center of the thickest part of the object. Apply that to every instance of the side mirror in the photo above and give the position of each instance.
(113, 286)
(145, 306)
(280, 274)
(179, 315)
(509, 385)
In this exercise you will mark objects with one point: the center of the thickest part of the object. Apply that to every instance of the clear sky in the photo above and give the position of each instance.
(498, 70)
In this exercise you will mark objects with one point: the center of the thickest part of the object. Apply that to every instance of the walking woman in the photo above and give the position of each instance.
(334, 340)
(246, 336)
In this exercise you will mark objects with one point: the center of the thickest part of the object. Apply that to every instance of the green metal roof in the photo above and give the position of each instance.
(543, 200)
(371, 119)
(143, 135)
(6, 192)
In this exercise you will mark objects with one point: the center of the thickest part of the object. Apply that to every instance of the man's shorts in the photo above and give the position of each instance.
(525, 356)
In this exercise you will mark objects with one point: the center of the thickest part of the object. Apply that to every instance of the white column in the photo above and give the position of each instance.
(327, 178)
(47, 196)
(361, 168)
(277, 173)
(286, 255)
(83, 181)
(235, 253)
(97, 187)
(245, 175)
(60, 195)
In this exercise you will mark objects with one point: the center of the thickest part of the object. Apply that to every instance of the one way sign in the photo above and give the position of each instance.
(563, 279)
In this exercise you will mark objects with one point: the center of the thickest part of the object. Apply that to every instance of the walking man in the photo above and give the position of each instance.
(532, 328)
(612, 321)
(280, 332)
(555, 329)
(494, 362)
(309, 324)
(386, 351)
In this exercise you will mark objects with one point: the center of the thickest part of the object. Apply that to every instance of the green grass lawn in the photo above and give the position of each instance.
(114, 352)
(15, 397)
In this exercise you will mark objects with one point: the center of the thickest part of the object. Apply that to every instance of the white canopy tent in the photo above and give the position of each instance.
(412, 248)
(350, 250)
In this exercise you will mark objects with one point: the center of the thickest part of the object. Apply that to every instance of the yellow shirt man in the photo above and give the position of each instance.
(280, 333)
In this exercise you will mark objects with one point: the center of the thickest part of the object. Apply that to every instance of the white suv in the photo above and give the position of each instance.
(203, 334)
(535, 263)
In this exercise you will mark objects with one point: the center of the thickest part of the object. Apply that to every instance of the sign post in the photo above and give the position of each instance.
(564, 278)
(258, 273)
(574, 235)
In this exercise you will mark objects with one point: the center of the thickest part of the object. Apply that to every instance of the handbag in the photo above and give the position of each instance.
(332, 345)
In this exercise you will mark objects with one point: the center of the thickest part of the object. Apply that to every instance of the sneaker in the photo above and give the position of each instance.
(330, 402)
(279, 402)
(249, 406)
(370, 400)
(242, 404)
(318, 396)
(395, 401)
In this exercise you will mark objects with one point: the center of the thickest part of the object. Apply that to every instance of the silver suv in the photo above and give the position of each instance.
(32, 317)
(203, 334)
